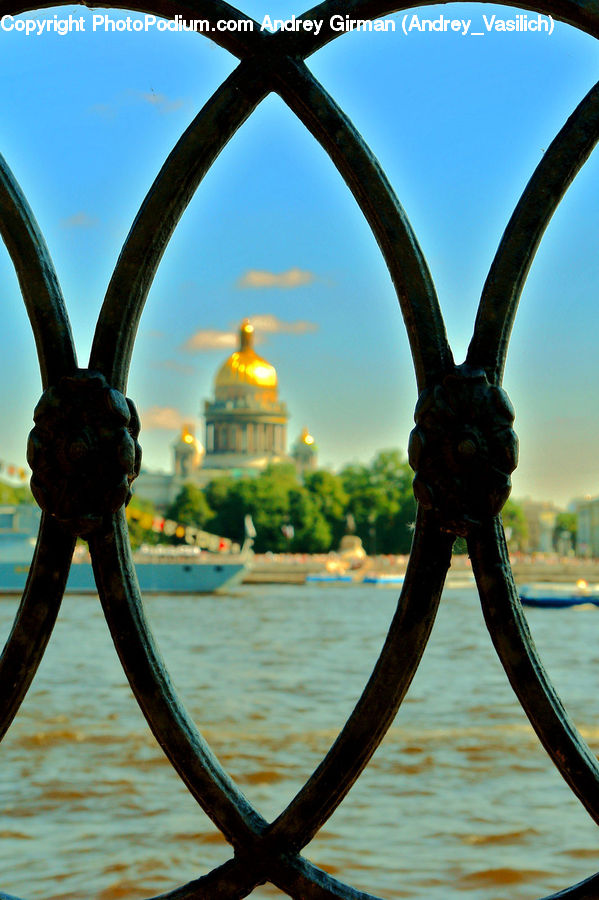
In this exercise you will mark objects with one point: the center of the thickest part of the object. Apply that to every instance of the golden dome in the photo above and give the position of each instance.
(187, 442)
(306, 437)
(245, 366)
(188, 437)
(188, 452)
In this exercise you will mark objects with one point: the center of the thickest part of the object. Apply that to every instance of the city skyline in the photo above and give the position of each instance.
(458, 123)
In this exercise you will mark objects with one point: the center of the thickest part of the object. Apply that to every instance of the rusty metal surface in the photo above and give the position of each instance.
(463, 448)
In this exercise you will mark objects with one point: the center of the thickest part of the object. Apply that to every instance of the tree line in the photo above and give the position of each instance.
(311, 514)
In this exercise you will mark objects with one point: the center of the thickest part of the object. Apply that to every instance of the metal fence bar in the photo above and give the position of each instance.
(516, 649)
(463, 448)
(560, 164)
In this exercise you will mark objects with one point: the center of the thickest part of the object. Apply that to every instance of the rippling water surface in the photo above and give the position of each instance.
(459, 800)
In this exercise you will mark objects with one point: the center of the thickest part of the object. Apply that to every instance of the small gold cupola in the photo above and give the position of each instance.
(188, 452)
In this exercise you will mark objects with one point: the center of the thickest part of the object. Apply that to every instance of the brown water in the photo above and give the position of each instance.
(459, 800)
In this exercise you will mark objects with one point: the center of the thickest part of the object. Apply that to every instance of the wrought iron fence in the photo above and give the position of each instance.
(84, 454)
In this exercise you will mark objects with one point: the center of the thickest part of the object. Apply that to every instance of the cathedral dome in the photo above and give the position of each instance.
(188, 442)
(246, 425)
(245, 367)
(245, 377)
(188, 452)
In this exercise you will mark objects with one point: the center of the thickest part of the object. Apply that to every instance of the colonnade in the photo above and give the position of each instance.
(245, 437)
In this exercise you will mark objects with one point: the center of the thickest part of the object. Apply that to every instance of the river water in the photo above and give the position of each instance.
(460, 799)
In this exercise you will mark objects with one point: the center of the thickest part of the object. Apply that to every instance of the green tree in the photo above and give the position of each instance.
(311, 517)
(382, 502)
(312, 532)
(392, 473)
(230, 501)
(565, 522)
(328, 493)
(13, 495)
(190, 507)
(137, 533)
(364, 499)
(270, 508)
(265, 498)
(286, 515)
(515, 525)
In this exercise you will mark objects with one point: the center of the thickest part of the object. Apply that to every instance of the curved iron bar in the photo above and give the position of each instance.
(375, 710)
(322, 129)
(561, 163)
(174, 730)
(292, 874)
(188, 163)
(516, 649)
(584, 890)
(160, 212)
(363, 175)
(45, 307)
(133, 276)
(37, 279)
(304, 881)
(227, 882)
(144, 230)
(191, 757)
(201, 771)
(35, 617)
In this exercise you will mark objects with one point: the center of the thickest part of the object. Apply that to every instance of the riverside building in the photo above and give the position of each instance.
(245, 429)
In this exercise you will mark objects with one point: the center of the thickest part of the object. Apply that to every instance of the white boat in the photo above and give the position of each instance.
(161, 569)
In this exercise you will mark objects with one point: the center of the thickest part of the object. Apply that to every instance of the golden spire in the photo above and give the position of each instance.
(245, 366)
(246, 336)
(187, 435)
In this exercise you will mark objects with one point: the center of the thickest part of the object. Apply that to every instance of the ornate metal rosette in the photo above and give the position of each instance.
(463, 416)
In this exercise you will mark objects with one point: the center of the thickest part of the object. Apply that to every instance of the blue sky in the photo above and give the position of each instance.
(458, 123)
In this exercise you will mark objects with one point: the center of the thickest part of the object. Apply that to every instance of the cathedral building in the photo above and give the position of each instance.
(246, 424)
(245, 430)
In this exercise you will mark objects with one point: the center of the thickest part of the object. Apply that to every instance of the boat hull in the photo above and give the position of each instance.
(154, 578)
(555, 597)
(328, 578)
(388, 580)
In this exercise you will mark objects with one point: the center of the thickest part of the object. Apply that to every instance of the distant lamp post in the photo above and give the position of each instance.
(564, 543)
(288, 532)
(372, 533)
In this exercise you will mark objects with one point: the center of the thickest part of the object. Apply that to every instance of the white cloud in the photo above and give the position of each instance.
(173, 365)
(159, 101)
(292, 278)
(269, 324)
(162, 102)
(162, 418)
(211, 339)
(80, 219)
